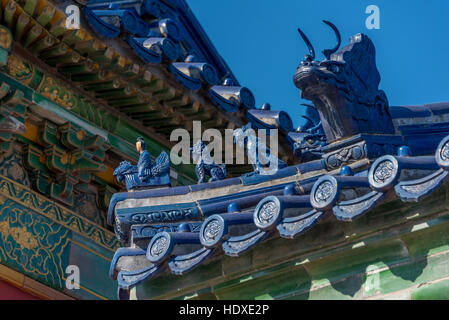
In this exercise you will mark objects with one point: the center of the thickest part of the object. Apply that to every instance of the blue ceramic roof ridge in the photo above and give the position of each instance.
(420, 110)
(269, 217)
(246, 180)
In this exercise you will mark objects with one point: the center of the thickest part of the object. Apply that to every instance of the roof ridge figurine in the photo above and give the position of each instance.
(344, 88)
(145, 174)
(205, 165)
(263, 162)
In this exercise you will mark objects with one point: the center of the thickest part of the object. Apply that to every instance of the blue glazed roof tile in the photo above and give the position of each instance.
(409, 112)
(215, 184)
(161, 34)
(438, 108)
(268, 119)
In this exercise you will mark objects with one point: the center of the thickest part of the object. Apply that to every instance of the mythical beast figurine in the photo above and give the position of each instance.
(309, 138)
(146, 174)
(344, 88)
(205, 164)
(259, 155)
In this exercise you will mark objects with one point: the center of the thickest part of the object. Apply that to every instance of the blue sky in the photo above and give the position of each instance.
(259, 41)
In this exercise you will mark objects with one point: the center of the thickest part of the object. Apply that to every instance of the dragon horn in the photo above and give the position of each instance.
(327, 52)
(308, 43)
